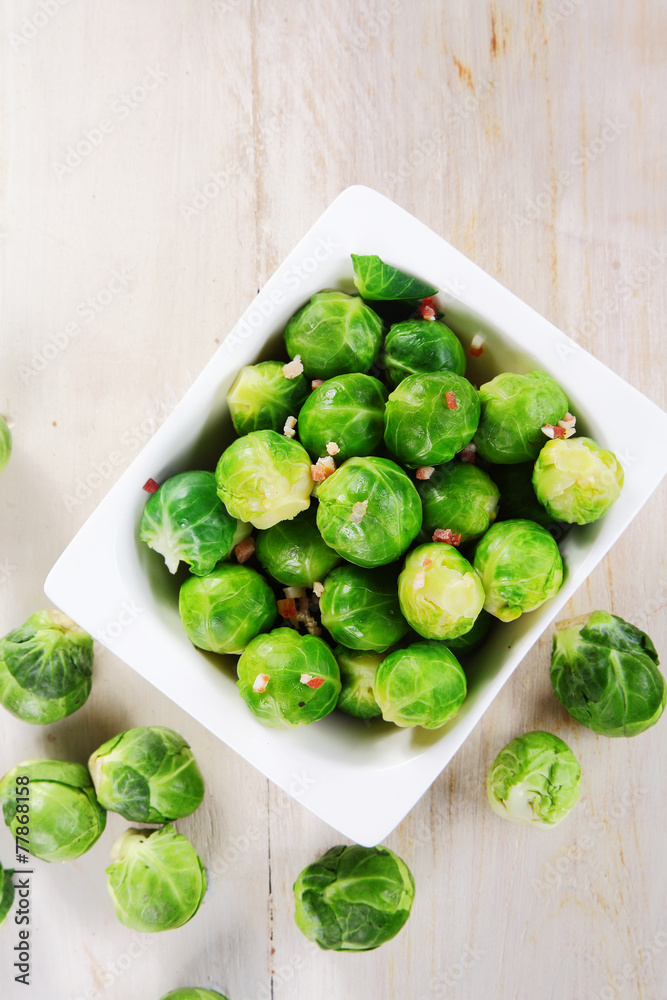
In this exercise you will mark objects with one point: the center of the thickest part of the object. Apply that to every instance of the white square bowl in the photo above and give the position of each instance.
(360, 779)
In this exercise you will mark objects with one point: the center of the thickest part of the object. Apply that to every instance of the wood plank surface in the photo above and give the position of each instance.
(158, 162)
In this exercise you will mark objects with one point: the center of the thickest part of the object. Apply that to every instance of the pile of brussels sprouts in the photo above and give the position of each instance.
(375, 506)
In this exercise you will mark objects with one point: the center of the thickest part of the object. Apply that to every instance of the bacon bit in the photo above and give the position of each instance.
(569, 432)
(425, 472)
(293, 368)
(468, 453)
(427, 308)
(295, 592)
(318, 588)
(288, 429)
(426, 563)
(553, 431)
(287, 607)
(450, 398)
(328, 463)
(316, 383)
(477, 345)
(323, 468)
(419, 580)
(312, 682)
(569, 420)
(151, 486)
(446, 535)
(244, 549)
(332, 448)
(260, 683)
(358, 511)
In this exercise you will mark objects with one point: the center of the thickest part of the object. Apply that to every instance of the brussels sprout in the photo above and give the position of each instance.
(440, 594)
(287, 679)
(46, 668)
(576, 480)
(186, 521)
(65, 816)
(334, 333)
(421, 685)
(429, 418)
(517, 496)
(420, 346)
(514, 410)
(357, 676)
(461, 645)
(156, 880)
(360, 608)
(535, 780)
(263, 397)
(6, 892)
(193, 993)
(294, 553)
(461, 497)
(148, 775)
(605, 672)
(354, 898)
(5, 444)
(347, 411)
(264, 478)
(223, 611)
(377, 280)
(369, 511)
(520, 567)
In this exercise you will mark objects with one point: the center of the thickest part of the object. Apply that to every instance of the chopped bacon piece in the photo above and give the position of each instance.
(323, 468)
(151, 486)
(288, 429)
(468, 453)
(260, 683)
(244, 549)
(419, 580)
(295, 592)
(425, 472)
(446, 535)
(427, 308)
(316, 383)
(426, 563)
(477, 345)
(312, 682)
(569, 432)
(569, 420)
(318, 588)
(450, 398)
(287, 607)
(358, 511)
(293, 368)
(552, 431)
(332, 448)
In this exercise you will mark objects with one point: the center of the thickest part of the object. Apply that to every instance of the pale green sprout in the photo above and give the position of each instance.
(358, 668)
(5, 444)
(334, 334)
(223, 611)
(156, 880)
(421, 685)
(576, 480)
(535, 780)
(263, 397)
(440, 593)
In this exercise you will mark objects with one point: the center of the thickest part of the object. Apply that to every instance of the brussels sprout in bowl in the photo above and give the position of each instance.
(361, 779)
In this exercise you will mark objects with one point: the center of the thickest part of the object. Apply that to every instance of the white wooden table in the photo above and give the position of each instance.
(159, 160)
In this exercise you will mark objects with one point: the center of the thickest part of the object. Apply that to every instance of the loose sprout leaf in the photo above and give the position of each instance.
(377, 280)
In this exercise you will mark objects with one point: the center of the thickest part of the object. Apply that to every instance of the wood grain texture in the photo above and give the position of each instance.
(530, 134)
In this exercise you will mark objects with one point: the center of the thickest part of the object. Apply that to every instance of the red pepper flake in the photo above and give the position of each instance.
(427, 308)
(451, 401)
(446, 535)
(244, 549)
(151, 486)
(312, 682)
(287, 607)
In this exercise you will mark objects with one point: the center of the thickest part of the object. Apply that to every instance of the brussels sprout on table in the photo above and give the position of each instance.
(440, 593)
(5, 444)
(520, 567)
(294, 553)
(223, 611)
(360, 608)
(369, 511)
(193, 993)
(264, 478)
(287, 679)
(421, 685)
(576, 480)
(347, 413)
(379, 281)
(461, 497)
(421, 346)
(514, 410)
(65, 816)
(148, 775)
(605, 672)
(430, 418)
(333, 334)
(535, 780)
(353, 898)
(263, 397)
(357, 677)
(6, 892)
(46, 668)
(156, 880)
(185, 520)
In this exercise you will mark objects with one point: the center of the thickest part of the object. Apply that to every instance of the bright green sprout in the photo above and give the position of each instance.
(576, 480)
(264, 478)
(223, 611)
(5, 444)
(346, 412)
(430, 418)
(46, 668)
(263, 397)
(6, 892)
(65, 816)
(421, 346)
(514, 410)
(535, 780)
(440, 593)
(379, 281)
(605, 672)
(185, 520)
(287, 679)
(520, 567)
(360, 608)
(354, 898)
(333, 334)
(369, 511)
(421, 685)
(156, 880)
(357, 676)
(459, 496)
(294, 553)
(148, 775)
